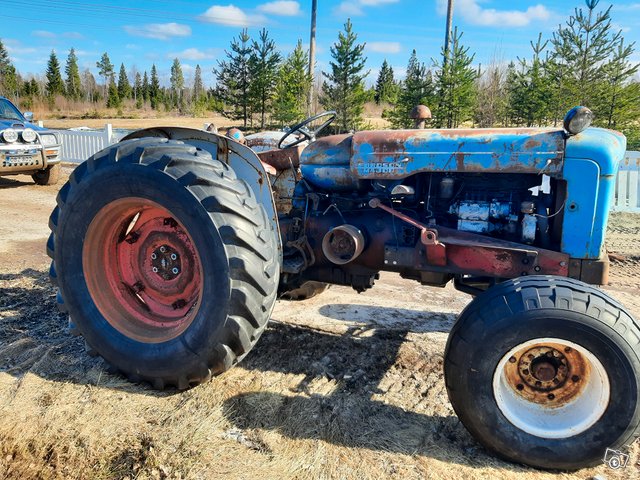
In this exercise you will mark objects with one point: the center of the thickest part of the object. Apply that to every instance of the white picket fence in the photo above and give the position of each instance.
(77, 146)
(628, 184)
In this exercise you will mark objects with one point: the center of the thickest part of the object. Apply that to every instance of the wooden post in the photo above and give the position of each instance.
(312, 55)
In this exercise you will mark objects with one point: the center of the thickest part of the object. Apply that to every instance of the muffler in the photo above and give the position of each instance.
(343, 244)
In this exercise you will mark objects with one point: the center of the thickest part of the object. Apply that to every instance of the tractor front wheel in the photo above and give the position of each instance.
(545, 371)
(164, 260)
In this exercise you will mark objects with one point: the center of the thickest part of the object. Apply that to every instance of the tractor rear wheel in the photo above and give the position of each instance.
(164, 260)
(545, 371)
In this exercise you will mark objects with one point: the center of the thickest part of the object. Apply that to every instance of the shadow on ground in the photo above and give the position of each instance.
(34, 338)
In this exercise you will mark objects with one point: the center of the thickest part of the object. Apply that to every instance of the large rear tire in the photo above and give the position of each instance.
(164, 260)
(545, 371)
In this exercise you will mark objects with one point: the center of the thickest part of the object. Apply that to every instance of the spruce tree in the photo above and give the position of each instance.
(124, 87)
(113, 99)
(177, 83)
(455, 85)
(154, 88)
(386, 90)
(137, 90)
(292, 87)
(198, 86)
(105, 70)
(234, 79)
(263, 64)
(73, 83)
(619, 105)
(9, 80)
(55, 85)
(417, 89)
(343, 90)
(145, 87)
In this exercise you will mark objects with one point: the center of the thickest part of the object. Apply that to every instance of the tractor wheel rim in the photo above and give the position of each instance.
(551, 388)
(142, 270)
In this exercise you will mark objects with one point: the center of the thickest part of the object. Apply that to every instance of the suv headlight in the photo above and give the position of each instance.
(10, 135)
(48, 139)
(28, 135)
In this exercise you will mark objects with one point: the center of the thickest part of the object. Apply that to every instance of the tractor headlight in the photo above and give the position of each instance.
(577, 119)
(28, 135)
(48, 139)
(10, 135)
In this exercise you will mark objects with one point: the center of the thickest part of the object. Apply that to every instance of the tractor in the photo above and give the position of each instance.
(170, 248)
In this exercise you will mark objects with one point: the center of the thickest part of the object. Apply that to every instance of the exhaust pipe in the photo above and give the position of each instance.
(343, 244)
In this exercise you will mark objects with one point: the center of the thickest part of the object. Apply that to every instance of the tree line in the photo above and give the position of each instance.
(584, 62)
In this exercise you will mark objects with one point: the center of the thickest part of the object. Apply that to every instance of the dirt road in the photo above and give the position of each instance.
(340, 386)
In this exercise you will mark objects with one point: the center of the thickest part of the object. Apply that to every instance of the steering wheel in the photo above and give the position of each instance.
(309, 135)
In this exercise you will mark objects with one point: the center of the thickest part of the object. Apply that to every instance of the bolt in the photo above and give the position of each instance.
(173, 256)
(155, 269)
(163, 249)
(153, 256)
(525, 261)
(520, 387)
(512, 359)
(563, 264)
(551, 396)
(575, 378)
(567, 349)
(537, 268)
(175, 271)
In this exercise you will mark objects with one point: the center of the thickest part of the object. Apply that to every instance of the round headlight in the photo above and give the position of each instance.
(28, 135)
(10, 135)
(577, 119)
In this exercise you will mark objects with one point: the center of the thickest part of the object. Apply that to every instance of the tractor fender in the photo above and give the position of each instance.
(245, 163)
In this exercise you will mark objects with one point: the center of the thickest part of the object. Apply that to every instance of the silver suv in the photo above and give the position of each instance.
(26, 148)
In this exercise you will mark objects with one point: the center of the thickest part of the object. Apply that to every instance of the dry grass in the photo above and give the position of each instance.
(342, 386)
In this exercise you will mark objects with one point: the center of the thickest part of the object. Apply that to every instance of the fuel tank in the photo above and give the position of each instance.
(326, 164)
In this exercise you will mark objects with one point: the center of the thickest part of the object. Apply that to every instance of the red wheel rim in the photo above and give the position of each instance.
(142, 269)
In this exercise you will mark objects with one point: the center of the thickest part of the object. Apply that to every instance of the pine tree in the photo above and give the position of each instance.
(145, 87)
(263, 64)
(55, 85)
(344, 89)
(292, 87)
(386, 90)
(124, 87)
(105, 70)
(154, 88)
(113, 99)
(177, 83)
(9, 81)
(198, 86)
(137, 90)
(73, 83)
(417, 89)
(234, 79)
(581, 49)
(455, 85)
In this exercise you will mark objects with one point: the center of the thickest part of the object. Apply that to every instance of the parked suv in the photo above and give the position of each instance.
(26, 148)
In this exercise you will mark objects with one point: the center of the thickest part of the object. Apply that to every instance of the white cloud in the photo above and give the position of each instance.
(194, 54)
(159, 31)
(43, 34)
(473, 13)
(232, 16)
(18, 49)
(285, 8)
(73, 35)
(356, 7)
(384, 47)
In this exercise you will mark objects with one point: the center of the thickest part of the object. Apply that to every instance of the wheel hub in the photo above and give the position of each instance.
(165, 262)
(543, 368)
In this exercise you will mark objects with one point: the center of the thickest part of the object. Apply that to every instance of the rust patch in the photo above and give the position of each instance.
(550, 374)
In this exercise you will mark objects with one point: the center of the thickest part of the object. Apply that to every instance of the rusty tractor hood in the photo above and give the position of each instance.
(400, 153)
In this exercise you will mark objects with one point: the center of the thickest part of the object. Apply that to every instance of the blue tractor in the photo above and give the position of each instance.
(170, 248)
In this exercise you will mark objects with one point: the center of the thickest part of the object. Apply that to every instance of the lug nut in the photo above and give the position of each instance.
(575, 378)
(153, 256)
(155, 270)
(512, 360)
(175, 271)
(551, 396)
(520, 386)
(162, 249)
(173, 256)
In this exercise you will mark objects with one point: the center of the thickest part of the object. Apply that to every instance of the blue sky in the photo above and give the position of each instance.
(197, 32)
